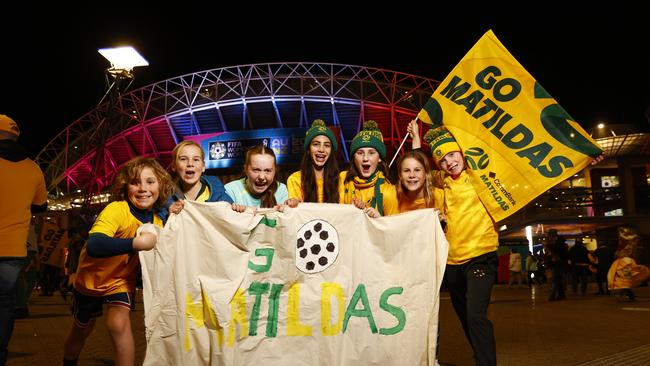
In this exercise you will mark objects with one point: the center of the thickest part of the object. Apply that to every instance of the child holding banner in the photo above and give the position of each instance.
(473, 240)
(317, 180)
(415, 188)
(188, 164)
(108, 265)
(366, 180)
(258, 188)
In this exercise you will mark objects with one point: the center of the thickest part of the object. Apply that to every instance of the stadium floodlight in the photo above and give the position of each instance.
(119, 78)
(123, 58)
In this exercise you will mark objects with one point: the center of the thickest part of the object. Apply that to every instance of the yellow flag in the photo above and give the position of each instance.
(517, 141)
(54, 239)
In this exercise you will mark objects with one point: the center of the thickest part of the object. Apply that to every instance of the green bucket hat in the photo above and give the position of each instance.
(441, 143)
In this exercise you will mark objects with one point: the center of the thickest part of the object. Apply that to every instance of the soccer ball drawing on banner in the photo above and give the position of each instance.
(317, 246)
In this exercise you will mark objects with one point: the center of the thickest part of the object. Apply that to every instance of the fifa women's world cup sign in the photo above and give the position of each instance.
(517, 141)
(321, 284)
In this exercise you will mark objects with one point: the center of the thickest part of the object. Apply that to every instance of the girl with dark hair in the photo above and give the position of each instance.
(317, 180)
(258, 187)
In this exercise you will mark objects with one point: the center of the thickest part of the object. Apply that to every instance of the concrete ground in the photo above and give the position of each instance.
(591, 330)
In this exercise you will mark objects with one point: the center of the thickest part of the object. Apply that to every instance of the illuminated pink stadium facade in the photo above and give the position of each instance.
(151, 120)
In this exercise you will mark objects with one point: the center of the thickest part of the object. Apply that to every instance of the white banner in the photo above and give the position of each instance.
(321, 284)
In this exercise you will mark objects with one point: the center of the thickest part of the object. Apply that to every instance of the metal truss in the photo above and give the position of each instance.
(151, 120)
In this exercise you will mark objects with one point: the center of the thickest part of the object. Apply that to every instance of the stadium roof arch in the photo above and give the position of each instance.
(151, 120)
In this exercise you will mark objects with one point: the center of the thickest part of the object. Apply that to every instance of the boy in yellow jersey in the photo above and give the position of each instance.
(109, 263)
(473, 240)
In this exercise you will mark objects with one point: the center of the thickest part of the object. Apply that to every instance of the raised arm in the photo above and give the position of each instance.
(414, 131)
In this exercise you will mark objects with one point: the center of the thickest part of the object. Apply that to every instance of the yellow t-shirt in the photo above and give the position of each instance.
(406, 205)
(22, 184)
(470, 229)
(107, 276)
(349, 190)
(294, 185)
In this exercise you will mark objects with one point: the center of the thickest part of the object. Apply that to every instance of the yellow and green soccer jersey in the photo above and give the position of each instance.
(106, 276)
(470, 229)
(350, 190)
(406, 205)
(204, 196)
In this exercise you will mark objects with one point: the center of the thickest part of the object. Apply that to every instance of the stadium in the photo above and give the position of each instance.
(243, 104)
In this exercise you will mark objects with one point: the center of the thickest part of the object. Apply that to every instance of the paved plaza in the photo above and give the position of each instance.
(591, 330)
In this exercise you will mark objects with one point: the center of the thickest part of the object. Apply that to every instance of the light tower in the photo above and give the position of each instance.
(119, 77)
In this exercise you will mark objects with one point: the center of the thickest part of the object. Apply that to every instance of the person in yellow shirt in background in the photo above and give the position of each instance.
(317, 180)
(624, 273)
(366, 182)
(473, 240)
(23, 192)
(109, 263)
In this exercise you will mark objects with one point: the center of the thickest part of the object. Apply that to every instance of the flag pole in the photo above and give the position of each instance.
(398, 150)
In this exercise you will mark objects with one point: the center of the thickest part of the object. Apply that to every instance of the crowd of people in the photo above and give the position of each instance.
(104, 267)
(612, 267)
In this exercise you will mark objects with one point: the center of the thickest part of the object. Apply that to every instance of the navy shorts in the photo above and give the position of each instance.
(85, 307)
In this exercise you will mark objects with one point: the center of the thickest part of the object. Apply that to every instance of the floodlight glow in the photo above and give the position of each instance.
(123, 58)
(529, 236)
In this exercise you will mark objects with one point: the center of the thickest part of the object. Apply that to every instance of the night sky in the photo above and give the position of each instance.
(595, 63)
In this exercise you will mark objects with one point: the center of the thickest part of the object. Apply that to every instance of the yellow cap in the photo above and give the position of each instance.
(9, 125)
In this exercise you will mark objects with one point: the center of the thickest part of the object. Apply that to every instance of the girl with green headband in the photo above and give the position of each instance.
(366, 183)
(317, 180)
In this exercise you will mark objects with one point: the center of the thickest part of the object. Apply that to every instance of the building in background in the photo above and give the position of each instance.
(241, 104)
(593, 203)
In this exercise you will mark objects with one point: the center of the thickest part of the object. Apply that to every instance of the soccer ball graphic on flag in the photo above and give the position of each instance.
(317, 246)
